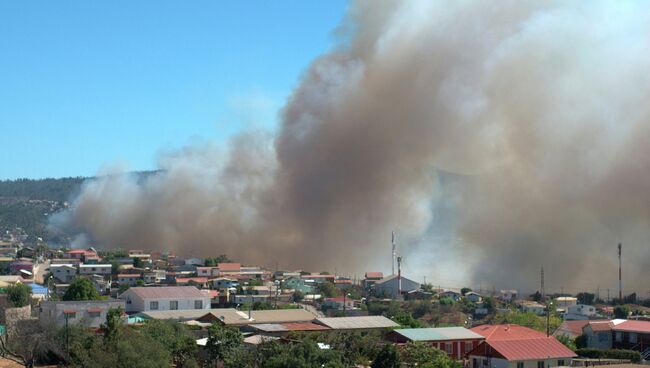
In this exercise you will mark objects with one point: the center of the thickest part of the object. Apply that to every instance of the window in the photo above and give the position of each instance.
(485, 362)
(619, 336)
(449, 347)
(198, 304)
(70, 315)
(474, 363)
(520, 364)
(560, 362)
(632, 337)
(94, 314)
(153, 305)
(468, 346)
(173, 305)
(540, 364)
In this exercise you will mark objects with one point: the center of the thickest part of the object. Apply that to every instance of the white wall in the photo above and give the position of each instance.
(503, 363)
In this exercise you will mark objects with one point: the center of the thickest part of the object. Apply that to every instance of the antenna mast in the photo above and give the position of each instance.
(620, 279)
(394, 252)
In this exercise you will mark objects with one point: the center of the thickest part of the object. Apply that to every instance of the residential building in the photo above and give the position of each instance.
(508, 295)
(319, 279)
(455, 341)
(564, 302)
(514, 346)
(298, 284)
(195, 281)
(360, 323)
(455, 296)
(580, 312)
(339, 303)
(528, 306)
(224, 283)
(64, 273)
(195, 261)
(228, 268)
(371, 278)
(80, 254)
(21, 264)
(154, 276)
(473, 297)
(95, 269)
(130, 279)
(92, 313)
(139, 299)
(570, 329)
(207, 271)
(391, 286)
(618, 334)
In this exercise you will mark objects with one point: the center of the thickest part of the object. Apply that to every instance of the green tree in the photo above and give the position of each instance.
(19, 294)
(567, 341)
(176, 340)
(81, 289)
(388, 357)
(113, 323)
(465, 290)
(621, 311)
(586, 298)
(222, 341)
(328, 289)
(418, 354)
(297, 296)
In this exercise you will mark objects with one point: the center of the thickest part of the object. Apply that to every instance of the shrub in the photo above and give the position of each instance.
(631, 355)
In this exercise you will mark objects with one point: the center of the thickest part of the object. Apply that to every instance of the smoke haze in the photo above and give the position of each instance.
(495, 137)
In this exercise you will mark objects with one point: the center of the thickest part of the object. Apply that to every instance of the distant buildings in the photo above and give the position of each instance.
(391, 286)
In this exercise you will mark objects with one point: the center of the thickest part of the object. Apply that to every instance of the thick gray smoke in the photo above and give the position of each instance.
(535, 110)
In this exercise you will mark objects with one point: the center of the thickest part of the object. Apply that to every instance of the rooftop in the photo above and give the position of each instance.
(229, 267)
(531, 348)
(438, 334)
(374, 275)
(507, 332)
(164, 292)
(633, 326)
(352, 323)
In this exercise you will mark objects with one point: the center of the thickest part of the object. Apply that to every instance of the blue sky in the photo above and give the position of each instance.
(86, 83)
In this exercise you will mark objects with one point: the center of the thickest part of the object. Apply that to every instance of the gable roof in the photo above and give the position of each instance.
(529, 348)
(229, 267)
(352, 323)
(571, 328)
(438, 334)
(633, 326)
(167, 292)
(507, 332)
(374, 275)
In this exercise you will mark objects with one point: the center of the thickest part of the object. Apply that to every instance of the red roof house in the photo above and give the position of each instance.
(514, 345)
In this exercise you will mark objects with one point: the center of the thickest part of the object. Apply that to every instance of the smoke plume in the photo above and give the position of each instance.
(495, 137)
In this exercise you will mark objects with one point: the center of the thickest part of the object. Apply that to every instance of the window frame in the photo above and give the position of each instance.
(152, 303)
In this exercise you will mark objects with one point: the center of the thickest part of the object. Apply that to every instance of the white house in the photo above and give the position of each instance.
(579, 312)
(140, 299)
(64, 273)
(155, 276)
(92, 313)
(389, 287)
(95, 269)
(533, 307)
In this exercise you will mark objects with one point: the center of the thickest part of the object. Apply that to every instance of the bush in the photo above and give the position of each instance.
(631, 355)
(19, 295)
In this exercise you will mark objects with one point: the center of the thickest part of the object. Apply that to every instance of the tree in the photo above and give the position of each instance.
(19, 295)
(222, 341)
(138, 263)
(537, 296)
(567, 341)
(388, 357)
(418, 354)
(81, 289)
(328, 289)
(405, 319)
(297, 296)
(113, 322)
(176, 340)
(465, 290)
(586, 298)
(222, 258)
(621, 311)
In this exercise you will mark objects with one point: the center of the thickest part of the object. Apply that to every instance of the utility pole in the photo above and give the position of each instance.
(620, 279)
(542, 286)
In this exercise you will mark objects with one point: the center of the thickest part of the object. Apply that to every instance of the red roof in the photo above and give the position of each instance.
(94, 310)
(633, 326)
(374, 275)
(199, 280)
(229, 267)
(167, 292)
(573, 328)
(507, 332)
(600, 326)
(530, 348)
(304, 326)
(212, 293)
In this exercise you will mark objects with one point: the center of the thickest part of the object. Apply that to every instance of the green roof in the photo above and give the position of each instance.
(438, 334)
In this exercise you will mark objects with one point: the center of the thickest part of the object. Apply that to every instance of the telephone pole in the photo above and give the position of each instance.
(620, 279)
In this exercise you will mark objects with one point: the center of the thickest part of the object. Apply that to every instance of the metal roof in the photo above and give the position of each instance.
(167, 292)
(270, 327)
(361, 322)
(438, 334)
(230, 315)
(281, 316)
(507, 332)
(529, 349)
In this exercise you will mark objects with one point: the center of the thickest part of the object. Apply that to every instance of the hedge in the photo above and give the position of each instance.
(632, 355)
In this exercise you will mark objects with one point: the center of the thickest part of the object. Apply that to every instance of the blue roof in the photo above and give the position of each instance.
(438, 334)
(38, 289)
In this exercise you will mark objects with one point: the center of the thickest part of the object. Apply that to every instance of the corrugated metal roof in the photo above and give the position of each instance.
(528, 349)
(229, 266)
(304, 326)
(281, 315)
(361, 322)
(229, 315)
(374, 275)
(633, 326)
(438, 334)
(507, 332)
(270, 327)
(166, 292)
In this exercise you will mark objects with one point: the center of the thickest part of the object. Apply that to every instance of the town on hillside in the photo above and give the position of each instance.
(63, 306)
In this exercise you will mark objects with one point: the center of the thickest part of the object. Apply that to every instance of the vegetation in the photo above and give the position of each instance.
(631, 355)
(212, 262)
(328, 290)
(222, 341)
(81, 288)
(419, 354)
(19, 295)
(175, 339)
(528, 319)
(388, 357)
(621, 311)
(567, 341)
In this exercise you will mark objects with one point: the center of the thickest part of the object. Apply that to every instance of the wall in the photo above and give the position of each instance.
(13, 315)
(52, 311)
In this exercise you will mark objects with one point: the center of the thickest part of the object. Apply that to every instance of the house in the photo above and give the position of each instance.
(528, 306)
(95, 269)
(580, 312)
(154, 276)
(195, 261)
(343, 284)
(508, 295)
(599, 334)
(80, 254)
(224, 283)
(64, 273)
(455, 341)
(564, 302)
(392, 286)
(249, 298)
(360, 323)
(450, 294)
(130, 279)
(207, 271)
(196, 281)
(21, 264)
(339, 302)
(92, 313)
(319, 279)
(139, 299)
(514, 346)
(371, 278)
(228, 268)
(284, 329)
(473, 297)
(618, 334)
(295, 283)
(570, 329)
